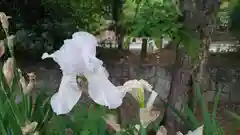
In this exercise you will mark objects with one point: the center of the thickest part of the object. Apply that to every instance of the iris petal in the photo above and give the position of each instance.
(67, 96)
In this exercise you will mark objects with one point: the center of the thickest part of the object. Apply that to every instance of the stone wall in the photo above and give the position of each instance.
(225, 78)
(49, 77)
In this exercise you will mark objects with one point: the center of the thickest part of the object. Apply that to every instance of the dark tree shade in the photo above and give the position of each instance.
(235, 20)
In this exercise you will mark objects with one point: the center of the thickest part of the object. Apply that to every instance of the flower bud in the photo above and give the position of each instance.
(162, 131)
(23, 82)
(8, 71)
(10, 42)
(29, 128)
(32, 82)
(2, 48)
(28, 87)
(4, 21)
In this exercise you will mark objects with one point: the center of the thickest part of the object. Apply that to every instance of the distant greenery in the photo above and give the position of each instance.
(153, 18)
(42, 25)
(234, 14)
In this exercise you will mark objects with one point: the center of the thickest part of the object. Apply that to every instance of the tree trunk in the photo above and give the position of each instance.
(178, 91)
(120, 38)
(200, 19)
(116, 12)
(144, 49)
(202, 76)
(198, 16)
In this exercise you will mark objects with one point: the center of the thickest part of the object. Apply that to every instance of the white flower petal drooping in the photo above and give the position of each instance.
(77, 58)
(67, 96)
(69, 59)
(101, 90)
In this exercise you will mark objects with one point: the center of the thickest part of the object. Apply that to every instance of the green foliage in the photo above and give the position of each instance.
(17, 109)
(42, 25)
(235, 18)
(158, 19)
(210, 122)
(152, 18)
(15, 114)
(83, 120)
(86, 15)
(223, 17)
(190, 44)
(89, 119)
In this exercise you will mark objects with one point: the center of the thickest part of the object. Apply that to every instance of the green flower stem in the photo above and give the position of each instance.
(143, 131)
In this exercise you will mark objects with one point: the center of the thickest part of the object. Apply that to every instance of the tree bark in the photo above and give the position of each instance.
(198, 16)
(178, 91)
(116, 12)
(204, 54)
(144, 48)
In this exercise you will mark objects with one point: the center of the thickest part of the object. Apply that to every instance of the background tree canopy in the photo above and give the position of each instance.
(42, 25)
(152, 18)
(234, 13)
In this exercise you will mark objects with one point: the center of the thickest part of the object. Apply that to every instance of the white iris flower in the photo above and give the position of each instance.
(136, 89)
(77, 58)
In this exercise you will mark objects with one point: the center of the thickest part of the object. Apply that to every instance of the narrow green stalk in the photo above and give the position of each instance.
(143, 131)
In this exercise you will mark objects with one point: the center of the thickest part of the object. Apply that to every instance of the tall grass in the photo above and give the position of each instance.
(210, 122)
